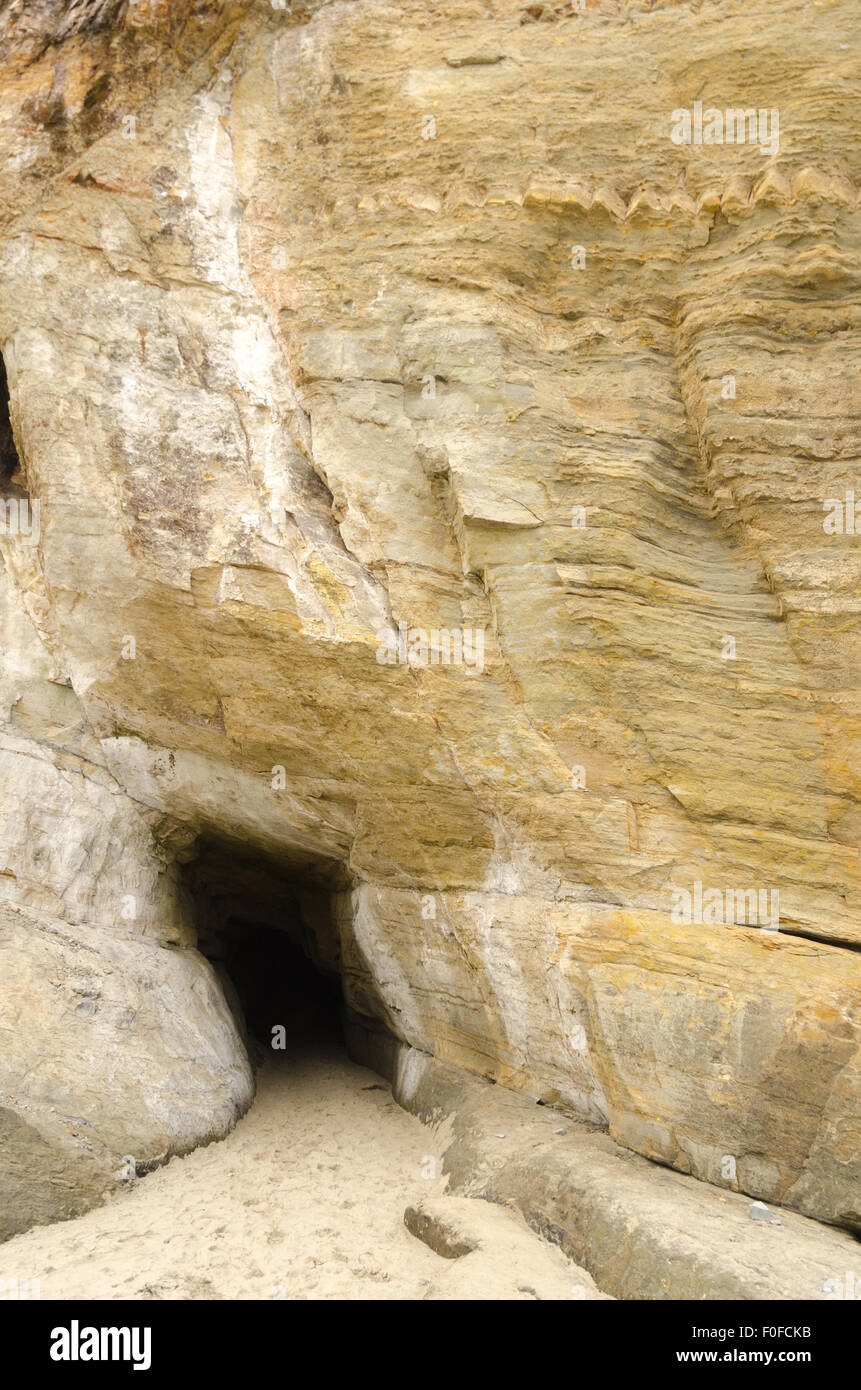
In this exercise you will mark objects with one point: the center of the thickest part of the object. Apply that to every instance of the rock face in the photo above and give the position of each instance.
(437, 469)
(121, 1051)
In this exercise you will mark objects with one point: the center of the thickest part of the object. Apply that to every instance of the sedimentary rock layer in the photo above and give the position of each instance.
(331, 322)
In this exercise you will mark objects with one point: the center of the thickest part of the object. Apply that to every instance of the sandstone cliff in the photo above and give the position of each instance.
(328, 321)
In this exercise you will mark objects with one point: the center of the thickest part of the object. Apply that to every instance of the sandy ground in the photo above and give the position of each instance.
(304, 1200)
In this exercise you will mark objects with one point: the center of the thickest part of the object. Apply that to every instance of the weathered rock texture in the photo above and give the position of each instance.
(299, 348)
(639, 1230)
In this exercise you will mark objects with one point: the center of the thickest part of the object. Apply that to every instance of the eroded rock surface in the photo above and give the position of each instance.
(322, 320)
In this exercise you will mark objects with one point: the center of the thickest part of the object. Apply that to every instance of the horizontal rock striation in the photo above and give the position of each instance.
(331, 328)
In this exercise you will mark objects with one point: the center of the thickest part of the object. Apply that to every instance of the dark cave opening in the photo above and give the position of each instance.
(267, 928)
(9, 464)
(284, 998)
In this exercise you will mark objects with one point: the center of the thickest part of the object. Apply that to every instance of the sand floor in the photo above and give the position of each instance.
(303, 1200)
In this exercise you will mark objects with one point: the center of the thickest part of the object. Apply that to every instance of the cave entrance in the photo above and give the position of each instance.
(8, 452)
(267, 928)
(283, 997)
